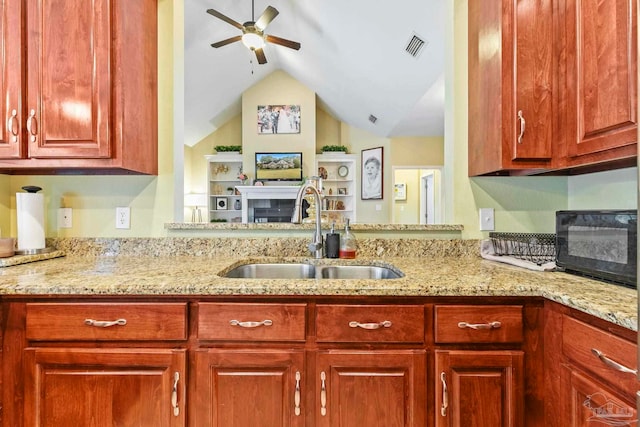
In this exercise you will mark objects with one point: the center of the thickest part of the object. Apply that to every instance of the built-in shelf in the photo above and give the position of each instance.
(338, 172)
(222, 178)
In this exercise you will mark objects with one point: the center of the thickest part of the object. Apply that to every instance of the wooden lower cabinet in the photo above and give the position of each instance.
(590, 403)
(479, 388)
(248, 388)
(370, 388)
(104, 387)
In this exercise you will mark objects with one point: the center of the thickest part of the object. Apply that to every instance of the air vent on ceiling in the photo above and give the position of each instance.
(415, 45)
(373, 119)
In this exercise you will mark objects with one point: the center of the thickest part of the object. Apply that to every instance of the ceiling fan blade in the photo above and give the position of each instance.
(224, 18)
(226, 41)
(283, 42)
(260, 55)
(266, 17)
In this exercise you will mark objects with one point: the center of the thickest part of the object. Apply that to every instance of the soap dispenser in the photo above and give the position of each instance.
(332, 243)
(348, 243)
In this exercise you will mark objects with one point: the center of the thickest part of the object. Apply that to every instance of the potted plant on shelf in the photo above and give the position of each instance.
(228, 148)
(334, 149)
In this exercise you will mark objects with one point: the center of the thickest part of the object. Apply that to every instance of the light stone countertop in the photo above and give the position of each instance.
(201, 275)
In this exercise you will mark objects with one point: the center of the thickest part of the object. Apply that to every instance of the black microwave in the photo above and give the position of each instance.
(598, 243)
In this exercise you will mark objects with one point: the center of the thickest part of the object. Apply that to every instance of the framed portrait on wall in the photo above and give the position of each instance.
(278, 119)
(372, 173)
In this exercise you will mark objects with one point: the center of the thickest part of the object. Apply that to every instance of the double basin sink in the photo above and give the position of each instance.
(310, 271)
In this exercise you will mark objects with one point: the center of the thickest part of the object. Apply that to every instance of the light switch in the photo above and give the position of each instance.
(486, 219)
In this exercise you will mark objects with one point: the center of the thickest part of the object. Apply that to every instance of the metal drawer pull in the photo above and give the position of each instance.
(476, 326)
(522, 124)
(32, 125)
(323, 394)
(445, 397)
(612, 364)
(174, 394)
(385, 324)
(12, 125)
(105, 323)
(250, 324)
(296, 395)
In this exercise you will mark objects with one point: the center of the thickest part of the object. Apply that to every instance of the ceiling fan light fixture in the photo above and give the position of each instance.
(253, 40)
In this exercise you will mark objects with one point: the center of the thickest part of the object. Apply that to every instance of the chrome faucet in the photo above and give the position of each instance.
(315, 185)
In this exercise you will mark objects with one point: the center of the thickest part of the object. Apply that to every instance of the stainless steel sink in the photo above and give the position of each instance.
(309, 271)
(357, 272)
(273, 271)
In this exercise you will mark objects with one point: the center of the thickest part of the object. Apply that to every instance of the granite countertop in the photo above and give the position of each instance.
(201, 275)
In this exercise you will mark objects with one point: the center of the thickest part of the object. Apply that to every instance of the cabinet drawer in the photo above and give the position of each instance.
(478, 324)
(251, 322)
(578, 340)
(370, 323)
(106, 321)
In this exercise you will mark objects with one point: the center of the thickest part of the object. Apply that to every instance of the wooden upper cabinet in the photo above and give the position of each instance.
(599, 85)
(510, 86)
(88, 101)
(10, 79)
(68, 79)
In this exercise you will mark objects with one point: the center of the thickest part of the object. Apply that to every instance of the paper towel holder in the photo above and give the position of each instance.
(33, 189)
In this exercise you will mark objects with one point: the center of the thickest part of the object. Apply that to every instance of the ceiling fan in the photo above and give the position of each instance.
(253, 35)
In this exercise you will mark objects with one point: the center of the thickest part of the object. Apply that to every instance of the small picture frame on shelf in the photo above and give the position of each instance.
(221, 203)
(342, 191)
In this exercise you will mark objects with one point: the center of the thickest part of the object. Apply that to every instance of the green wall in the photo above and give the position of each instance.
(521, 204)
(94, 198)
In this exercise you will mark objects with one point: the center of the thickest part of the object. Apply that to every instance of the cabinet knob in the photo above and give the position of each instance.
(323, 394)
(105, 323)
(522, 125)
(612, 363)
(12, 125)
(296, 395)
(32, 125)
(174, 394)
(445, 395)
(249, 324)
(478, 326)
(383, 324)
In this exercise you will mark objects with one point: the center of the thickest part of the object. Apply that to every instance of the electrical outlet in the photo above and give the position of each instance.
(123, 217)
(486, 219)
(65, 218)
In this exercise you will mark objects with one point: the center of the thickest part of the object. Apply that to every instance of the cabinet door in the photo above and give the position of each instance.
(68, 79)
(510, 81)
(590, 403)
(104, 388)
(10, 79)
(370, 388)
(601, 79)
(479, 388)
(237, 388)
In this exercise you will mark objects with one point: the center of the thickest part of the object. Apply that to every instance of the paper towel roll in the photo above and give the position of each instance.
(30, 212)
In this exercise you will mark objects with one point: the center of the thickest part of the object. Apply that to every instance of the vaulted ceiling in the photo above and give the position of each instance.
(353, 56)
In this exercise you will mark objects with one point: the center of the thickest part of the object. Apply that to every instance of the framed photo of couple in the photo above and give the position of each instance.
(372, 173)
